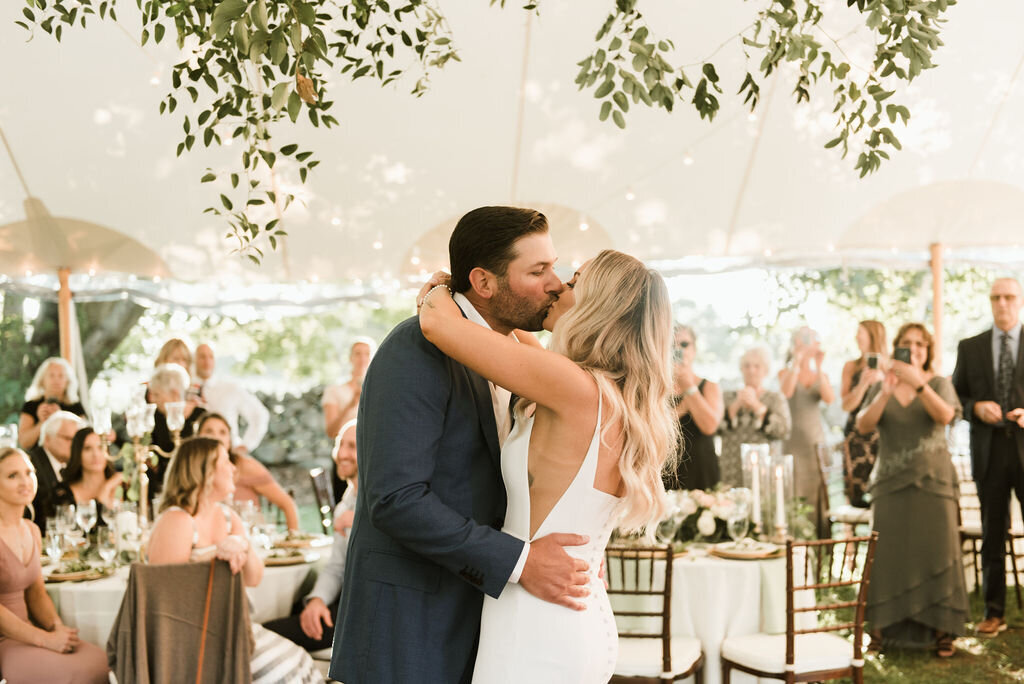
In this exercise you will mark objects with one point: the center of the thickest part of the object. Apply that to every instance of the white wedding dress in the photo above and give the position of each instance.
(525, 639)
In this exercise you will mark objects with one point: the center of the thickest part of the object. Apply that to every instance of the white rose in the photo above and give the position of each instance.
(687, 506)
(722, 509)
(706, 524)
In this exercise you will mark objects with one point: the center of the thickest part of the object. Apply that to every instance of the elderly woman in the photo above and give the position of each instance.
(698, 406)
(168, 384)
(54, 388)
(35, 646)
(753, 415)
(252, 479)
(805, 385)
(89, 476)
(917, 597)
(859, 374)
(196, 525)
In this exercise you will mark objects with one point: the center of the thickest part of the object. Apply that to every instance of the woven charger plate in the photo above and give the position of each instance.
(304, 543)
(274, 561)
(90, 574)
(756, 551)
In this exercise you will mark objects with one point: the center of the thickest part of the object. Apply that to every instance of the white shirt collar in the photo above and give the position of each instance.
(54, 463)
(1013, 332)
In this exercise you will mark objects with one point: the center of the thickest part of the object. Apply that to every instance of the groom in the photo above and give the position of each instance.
(426, 544)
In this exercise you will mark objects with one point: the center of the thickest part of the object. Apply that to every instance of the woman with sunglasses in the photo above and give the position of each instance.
(698, 406)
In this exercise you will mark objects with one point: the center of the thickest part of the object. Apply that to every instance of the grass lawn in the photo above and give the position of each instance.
(977, 659)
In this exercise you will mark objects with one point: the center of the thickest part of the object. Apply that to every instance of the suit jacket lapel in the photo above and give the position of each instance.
(485, 412)
(988, 362)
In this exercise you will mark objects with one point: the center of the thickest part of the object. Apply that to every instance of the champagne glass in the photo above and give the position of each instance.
(106, 544)
(86, 515)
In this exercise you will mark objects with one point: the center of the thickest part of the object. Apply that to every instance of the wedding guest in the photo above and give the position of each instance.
(169, 383)
(313, 628)
(698, 406)
(753, 415)
(174, 351)
(805, 385)
(54, 388)
(917, 597)
(195, 525)
(989, 378)
(860, 451)
(35, 645)
(341, 401)
(49, 458)
(252, 479)
(226, 397)
(89, 475)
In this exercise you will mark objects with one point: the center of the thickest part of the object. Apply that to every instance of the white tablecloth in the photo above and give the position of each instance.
(713, 598)
(92, 606)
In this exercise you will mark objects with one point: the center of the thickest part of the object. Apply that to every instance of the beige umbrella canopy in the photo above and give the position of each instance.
(43, 242)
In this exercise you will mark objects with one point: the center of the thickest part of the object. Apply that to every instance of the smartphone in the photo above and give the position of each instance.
(873, 361)
(902, 354)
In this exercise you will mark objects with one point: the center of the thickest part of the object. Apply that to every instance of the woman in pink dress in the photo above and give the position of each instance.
(51, 652)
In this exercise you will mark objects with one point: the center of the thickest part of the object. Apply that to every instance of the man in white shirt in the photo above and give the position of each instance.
(313, 628)
(231, 400)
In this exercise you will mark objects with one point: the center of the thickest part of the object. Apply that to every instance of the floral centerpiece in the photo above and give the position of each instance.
(697, 515)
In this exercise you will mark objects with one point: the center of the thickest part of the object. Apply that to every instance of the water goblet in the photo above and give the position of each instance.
(65, 518)
(86, 515)
(106, 544)
(53, 544)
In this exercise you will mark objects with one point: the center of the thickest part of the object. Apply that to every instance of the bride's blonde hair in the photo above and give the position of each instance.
(620, 331)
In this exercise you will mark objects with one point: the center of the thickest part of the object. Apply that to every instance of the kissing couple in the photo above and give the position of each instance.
(481, 523)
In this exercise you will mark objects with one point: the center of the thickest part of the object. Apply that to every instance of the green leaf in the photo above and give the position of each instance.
(606, 109)
(605, 88)
(208, 177)
(241, 34)
(227, 12)
(279, 96)
(289, 149)
(158, 32)
(306, 13)
(226, 202)
(619, 120)
(258, 14)
(294, 106)
(621, 101)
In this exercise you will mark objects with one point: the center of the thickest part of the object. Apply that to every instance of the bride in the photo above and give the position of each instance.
(585, 455)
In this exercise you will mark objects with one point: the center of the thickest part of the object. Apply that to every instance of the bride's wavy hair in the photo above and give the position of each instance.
(620, 331)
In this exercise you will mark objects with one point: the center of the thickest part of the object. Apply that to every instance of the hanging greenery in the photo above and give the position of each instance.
(255, 66)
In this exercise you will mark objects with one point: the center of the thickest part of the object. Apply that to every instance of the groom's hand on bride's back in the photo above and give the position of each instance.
(553, 575)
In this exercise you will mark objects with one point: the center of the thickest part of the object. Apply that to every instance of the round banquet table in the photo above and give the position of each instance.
(92, 606)
(714, 598)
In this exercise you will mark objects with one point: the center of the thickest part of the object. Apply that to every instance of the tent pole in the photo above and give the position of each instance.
(64, 313)
(937, 278)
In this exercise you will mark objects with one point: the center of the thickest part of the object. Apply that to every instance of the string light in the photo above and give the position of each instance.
(688, 159)
(335, 221)
(378, 244)
(752, 117)
(584, 226)
(630, 195)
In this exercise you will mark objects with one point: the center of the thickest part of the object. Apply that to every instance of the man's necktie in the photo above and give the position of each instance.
(1004, 379)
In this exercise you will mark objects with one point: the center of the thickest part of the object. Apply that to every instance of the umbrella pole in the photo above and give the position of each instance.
(937, 278)
(64, 313)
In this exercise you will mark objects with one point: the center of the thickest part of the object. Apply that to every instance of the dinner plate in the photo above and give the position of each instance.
(273, 561)
(90, 574)
(746, 551)
(304, 543)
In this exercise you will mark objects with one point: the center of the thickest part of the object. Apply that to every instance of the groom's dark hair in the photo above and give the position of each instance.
(486, 237)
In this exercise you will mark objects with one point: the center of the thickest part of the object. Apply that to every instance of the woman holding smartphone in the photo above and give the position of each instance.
(859, 374)
(917, 597)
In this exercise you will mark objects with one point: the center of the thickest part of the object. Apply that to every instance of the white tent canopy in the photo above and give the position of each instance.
(81, 116)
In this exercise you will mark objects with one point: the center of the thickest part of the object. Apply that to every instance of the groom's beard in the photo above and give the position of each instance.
(516, 311)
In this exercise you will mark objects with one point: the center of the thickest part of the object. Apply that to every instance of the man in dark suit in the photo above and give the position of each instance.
(989, 377)
(49, 457)
(426, 544)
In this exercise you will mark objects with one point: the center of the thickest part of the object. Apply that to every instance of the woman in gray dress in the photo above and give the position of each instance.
(753, 415)
(805, 385)
(917, 597)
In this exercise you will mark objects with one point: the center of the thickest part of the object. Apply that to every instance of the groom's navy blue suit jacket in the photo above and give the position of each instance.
(426, 544)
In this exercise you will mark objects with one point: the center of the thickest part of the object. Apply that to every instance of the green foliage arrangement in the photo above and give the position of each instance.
(256, 64)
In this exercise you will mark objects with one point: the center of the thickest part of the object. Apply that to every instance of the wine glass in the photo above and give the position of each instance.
(106, 544)
(53, 544)
(738, 520)
(65, 518)
(86, 515)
